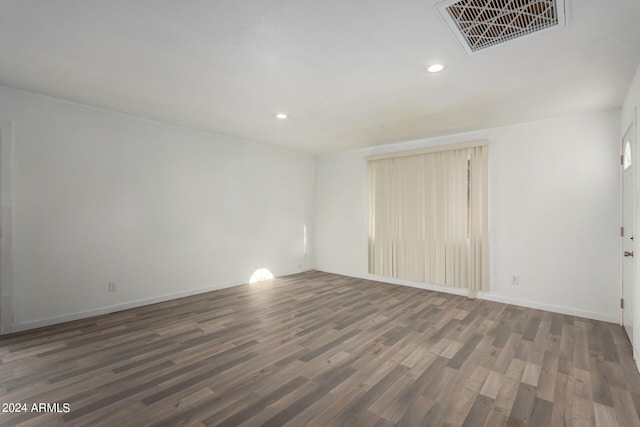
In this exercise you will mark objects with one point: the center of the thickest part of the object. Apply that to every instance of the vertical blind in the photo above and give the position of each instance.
(428, 215)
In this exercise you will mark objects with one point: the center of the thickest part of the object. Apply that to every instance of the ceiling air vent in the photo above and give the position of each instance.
(479, 24)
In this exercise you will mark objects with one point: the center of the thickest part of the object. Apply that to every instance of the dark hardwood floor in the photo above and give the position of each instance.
(319, 349)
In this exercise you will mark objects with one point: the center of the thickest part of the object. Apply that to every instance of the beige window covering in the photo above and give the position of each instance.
(428, 216)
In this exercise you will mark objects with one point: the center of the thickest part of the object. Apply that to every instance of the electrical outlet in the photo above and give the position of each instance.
(112, 286)
(299, 267)
(515, 280)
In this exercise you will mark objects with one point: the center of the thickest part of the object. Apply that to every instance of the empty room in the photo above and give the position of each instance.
(319, 213)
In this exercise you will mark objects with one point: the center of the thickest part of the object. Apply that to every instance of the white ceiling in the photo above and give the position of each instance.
(348, 72)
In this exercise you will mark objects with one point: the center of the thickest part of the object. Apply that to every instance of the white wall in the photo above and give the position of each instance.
(630, 118)
(554, 212)
(167, 211)
(159, 209)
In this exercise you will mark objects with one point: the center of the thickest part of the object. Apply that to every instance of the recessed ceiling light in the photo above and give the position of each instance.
(281, 116)
(435, 68)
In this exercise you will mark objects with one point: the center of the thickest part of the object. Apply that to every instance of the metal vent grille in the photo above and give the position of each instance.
(479, 24)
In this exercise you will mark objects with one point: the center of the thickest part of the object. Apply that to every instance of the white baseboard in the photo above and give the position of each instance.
(484, 295)
(32, 324)
(549, 307)
(402, 282)
(39, 323)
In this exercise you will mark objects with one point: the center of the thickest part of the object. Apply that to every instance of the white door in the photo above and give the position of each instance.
(6, 265)
(628, 149)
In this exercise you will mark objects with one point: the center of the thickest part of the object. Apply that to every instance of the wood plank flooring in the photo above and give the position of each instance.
(319, 349)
